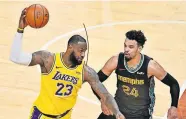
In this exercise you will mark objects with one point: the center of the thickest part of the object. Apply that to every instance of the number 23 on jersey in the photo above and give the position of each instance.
(63, 89)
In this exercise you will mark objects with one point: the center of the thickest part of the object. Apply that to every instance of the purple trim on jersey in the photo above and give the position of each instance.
(36, 114)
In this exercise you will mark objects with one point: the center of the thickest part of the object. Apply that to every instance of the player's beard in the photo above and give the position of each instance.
(127, 59)
(74, 60)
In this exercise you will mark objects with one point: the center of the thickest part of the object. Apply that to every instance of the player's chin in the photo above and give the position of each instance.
(79, 62)
(127, 57)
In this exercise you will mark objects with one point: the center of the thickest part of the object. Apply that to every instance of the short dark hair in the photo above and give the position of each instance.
(75, 39)
(137, 36)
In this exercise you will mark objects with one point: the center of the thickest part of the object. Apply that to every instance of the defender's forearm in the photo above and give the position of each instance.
(174, 88)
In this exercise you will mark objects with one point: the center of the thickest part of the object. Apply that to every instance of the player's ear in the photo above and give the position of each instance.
(140, 48)
(70, 47)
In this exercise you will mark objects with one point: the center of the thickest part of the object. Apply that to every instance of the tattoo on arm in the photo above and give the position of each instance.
(41, 58)
(99, 88)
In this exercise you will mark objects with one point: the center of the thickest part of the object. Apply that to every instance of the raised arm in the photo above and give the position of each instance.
(92, 78)
(43, 58)
(16, 54)
(29, 59)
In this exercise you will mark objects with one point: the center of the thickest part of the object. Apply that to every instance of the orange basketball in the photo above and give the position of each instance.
(182, 106)
(37, 16)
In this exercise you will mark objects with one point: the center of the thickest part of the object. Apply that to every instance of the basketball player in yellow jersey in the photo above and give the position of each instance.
(62, 75)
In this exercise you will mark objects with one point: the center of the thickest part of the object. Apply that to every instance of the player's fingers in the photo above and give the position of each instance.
(119, 117)
(106, 112)
(110, 112)
(24, 19)
(23, 16)
(103, 110)
(122, 117)
(24, 11)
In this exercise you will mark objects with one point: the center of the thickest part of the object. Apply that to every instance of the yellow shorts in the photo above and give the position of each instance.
(36, 114)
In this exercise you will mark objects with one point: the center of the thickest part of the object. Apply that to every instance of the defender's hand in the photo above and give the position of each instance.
(172, 113)
(22, 21)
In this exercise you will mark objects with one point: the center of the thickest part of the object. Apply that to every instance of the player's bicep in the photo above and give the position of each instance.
(110, 65)
(155, 69)
(39, 57)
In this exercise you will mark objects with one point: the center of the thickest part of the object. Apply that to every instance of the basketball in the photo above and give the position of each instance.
(182, 106)
(37, 16)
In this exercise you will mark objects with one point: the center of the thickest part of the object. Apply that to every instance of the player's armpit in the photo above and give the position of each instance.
(40, 57)
(91, 77)
(44, 58)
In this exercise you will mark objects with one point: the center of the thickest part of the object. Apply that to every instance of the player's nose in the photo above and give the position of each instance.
(82, 54)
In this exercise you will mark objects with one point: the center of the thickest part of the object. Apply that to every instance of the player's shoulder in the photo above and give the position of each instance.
(112, 62)
(150, 59)
(88, 72)
(88, 68)
(153, 65)
(48, 55)
(45, 52)
(114, 57)
(147, 56)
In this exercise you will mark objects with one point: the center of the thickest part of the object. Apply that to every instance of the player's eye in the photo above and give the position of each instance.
(131, 46)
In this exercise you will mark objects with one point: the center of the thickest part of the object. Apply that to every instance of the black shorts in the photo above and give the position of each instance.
(103, 116)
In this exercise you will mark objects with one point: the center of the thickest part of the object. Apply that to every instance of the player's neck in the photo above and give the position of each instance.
(135, 61)
(67, 61)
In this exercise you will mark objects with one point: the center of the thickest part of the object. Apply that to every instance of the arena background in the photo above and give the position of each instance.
(163, 23)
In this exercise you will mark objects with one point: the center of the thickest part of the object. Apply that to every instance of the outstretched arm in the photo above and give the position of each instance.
(91, 77)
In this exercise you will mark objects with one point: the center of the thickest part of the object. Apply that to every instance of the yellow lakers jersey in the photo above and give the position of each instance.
(59, 87)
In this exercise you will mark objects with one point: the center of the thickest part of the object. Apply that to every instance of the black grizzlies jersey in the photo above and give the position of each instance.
(135, 90)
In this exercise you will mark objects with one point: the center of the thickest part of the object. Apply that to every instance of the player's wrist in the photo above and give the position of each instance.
(20, 30)
(173, 107)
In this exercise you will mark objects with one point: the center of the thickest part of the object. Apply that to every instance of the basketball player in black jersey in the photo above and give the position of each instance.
(135, 81)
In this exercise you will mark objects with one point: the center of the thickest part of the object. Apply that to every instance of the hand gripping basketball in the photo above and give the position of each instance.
(22, 21)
